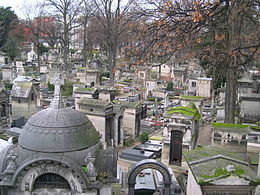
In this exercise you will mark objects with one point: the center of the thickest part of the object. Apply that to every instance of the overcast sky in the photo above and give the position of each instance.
(16, 5)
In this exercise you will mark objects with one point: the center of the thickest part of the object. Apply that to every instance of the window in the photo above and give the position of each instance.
(51, 180)
(193, 84)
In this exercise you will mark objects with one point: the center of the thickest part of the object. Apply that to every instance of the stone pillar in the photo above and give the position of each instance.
(258, 169)
(166, 100)
(167, 190)
(116, 130)
(131, 189)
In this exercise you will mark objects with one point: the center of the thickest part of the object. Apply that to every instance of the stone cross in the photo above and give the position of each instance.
(57, 81)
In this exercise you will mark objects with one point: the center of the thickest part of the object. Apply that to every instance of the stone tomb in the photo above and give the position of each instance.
(204, 87)
(132, 118)
(89, 77)
(8, 72)
(150, 148)
(230, 136)
(136, 155)
(106, 93)
(24, 99)
(101, 114)
(5, 108)
(64, 158)
(250, 107)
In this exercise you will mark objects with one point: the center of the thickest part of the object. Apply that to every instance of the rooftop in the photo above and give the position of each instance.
(128, 104)
(85, 90)
(187, 97)
(205, 79)
(21, 89)
(58, 130)
(95, 102)
(184, 111)
(212, 165)
(230, 127)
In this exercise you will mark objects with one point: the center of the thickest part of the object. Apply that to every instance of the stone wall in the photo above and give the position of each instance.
(193, 188)
(250, 107)
(26, 109)
(99, 123)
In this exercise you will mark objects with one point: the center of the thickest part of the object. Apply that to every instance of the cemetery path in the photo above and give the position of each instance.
(204, 135)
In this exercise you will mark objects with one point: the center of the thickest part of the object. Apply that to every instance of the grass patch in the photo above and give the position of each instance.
(228, 125)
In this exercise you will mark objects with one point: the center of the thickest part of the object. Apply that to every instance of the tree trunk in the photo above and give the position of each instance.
(111, 64)
(112, 74)
(85, 44)
(231, 95)
(66, 44)
(235, 24)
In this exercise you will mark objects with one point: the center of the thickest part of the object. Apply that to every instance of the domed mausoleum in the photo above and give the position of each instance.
(58, 152)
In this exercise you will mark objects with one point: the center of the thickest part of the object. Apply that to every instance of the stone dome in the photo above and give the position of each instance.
(58, 130)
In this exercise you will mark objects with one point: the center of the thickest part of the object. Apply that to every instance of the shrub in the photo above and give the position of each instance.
(144, 137)
(169, 86)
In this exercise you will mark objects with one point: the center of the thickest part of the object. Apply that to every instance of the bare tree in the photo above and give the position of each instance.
(113, 16)
(66, 12)
(232, 26)
(84, 20)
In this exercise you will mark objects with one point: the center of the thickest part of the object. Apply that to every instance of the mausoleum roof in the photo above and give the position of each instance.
(211, 166)
(227, 127)
(95, 102)
(58, 130)
(21, 89)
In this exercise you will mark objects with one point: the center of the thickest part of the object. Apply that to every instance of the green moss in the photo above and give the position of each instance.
(204, 183)
(127, 80)
(239, 171)
(228, 125)
(84, 169)
(218, 172)
(152, 99)
(255, 128)
(255, 183)
(200, 153)
(4, 137)
(82, 68)
(129, 142)
(185, 111)
(192, 97)
(223, 172)
(180, 108)
(84, 89)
